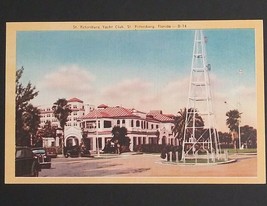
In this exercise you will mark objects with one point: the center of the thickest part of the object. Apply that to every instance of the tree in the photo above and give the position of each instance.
(119, 136)
(248, 136)
(27, 116)
(180, 121)
(225, 138)
(61, 111)
(233, 122)
(233, 119)
(49, 130)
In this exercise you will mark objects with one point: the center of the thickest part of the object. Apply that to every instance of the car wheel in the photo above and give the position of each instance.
(66, 155)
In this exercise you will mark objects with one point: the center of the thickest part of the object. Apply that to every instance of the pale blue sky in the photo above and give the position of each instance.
(158, 62)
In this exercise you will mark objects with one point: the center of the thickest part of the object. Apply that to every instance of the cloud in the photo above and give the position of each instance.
(128, 92)
(146, 96)
(67, 81)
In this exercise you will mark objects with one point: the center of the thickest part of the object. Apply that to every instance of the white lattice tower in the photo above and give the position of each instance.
(198, 136)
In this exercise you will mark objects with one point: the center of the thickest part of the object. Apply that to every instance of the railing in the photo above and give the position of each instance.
(210, 157)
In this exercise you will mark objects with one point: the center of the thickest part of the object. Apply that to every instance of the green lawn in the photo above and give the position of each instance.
(251, 150)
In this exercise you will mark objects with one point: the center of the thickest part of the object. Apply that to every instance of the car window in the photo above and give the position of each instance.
(19, 154)
(23, 153)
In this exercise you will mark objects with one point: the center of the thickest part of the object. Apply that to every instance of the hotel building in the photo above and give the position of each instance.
(96, 124)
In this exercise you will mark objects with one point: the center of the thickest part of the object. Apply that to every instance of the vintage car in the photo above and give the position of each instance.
(72, 151)
(41, 154)
(26, 164)
(85, 152)
(51, 152)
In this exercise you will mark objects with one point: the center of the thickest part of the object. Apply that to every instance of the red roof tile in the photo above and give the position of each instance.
(160, 117)
(102, 106)
(75, 100)
(109, 112)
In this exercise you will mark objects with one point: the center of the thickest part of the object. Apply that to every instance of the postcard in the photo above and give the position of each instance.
(176, 102)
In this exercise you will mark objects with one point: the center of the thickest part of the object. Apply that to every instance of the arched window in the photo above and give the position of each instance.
(123, 121)
(118, 122)
(137, 123)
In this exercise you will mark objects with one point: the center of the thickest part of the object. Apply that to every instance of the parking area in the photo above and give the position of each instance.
(146, 165)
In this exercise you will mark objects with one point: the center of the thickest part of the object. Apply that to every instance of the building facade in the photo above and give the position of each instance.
(96, 124)
(73, 132)
(142, 128)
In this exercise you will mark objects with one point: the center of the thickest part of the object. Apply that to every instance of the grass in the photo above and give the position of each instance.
(201, 161)
(250, 150)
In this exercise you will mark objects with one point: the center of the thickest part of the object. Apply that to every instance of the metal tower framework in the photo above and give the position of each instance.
(200, 137)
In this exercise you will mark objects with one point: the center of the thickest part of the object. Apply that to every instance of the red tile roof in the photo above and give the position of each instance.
(102, 106)
(109, 112)
(75, 100)
(121, 112)
(160, 117)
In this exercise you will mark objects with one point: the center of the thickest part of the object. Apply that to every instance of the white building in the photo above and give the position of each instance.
(143, 128)
(73, 132)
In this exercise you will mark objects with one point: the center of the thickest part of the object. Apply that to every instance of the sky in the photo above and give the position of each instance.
(141, 69)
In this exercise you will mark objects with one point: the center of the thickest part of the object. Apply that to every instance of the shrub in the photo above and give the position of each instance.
(149, 148)
(227, 146)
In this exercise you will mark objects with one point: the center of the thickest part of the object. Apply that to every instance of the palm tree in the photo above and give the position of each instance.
(119, 136)
(180, 121)
(179, 124)
(233, 121)
(61, 111)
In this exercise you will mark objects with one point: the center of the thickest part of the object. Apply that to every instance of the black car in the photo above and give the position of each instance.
(43, 158)
(26, 164)
(72, 151)
(85, 152)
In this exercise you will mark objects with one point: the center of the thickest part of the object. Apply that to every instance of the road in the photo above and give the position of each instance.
(146, 165)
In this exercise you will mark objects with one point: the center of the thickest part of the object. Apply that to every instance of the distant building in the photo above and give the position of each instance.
(73, 132)
(96, 125)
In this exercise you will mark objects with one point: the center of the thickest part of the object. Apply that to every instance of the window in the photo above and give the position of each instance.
(132, 123)
(118, 122)
(137, 123)
(107, 124)
(74, 113)
(74, 106)
(157, 126)
(123, 121)
(152, 126)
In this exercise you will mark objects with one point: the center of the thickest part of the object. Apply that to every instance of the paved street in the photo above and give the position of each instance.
(146, 165)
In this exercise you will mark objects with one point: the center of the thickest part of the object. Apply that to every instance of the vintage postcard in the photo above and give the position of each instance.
(135, 102)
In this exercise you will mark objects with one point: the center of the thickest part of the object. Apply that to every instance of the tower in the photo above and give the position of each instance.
(200, 133)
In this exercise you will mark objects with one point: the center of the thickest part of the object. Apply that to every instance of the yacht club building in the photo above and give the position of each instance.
(142, 128)
(96, 124)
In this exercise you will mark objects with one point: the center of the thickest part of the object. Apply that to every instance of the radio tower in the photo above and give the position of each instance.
(200, 135)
